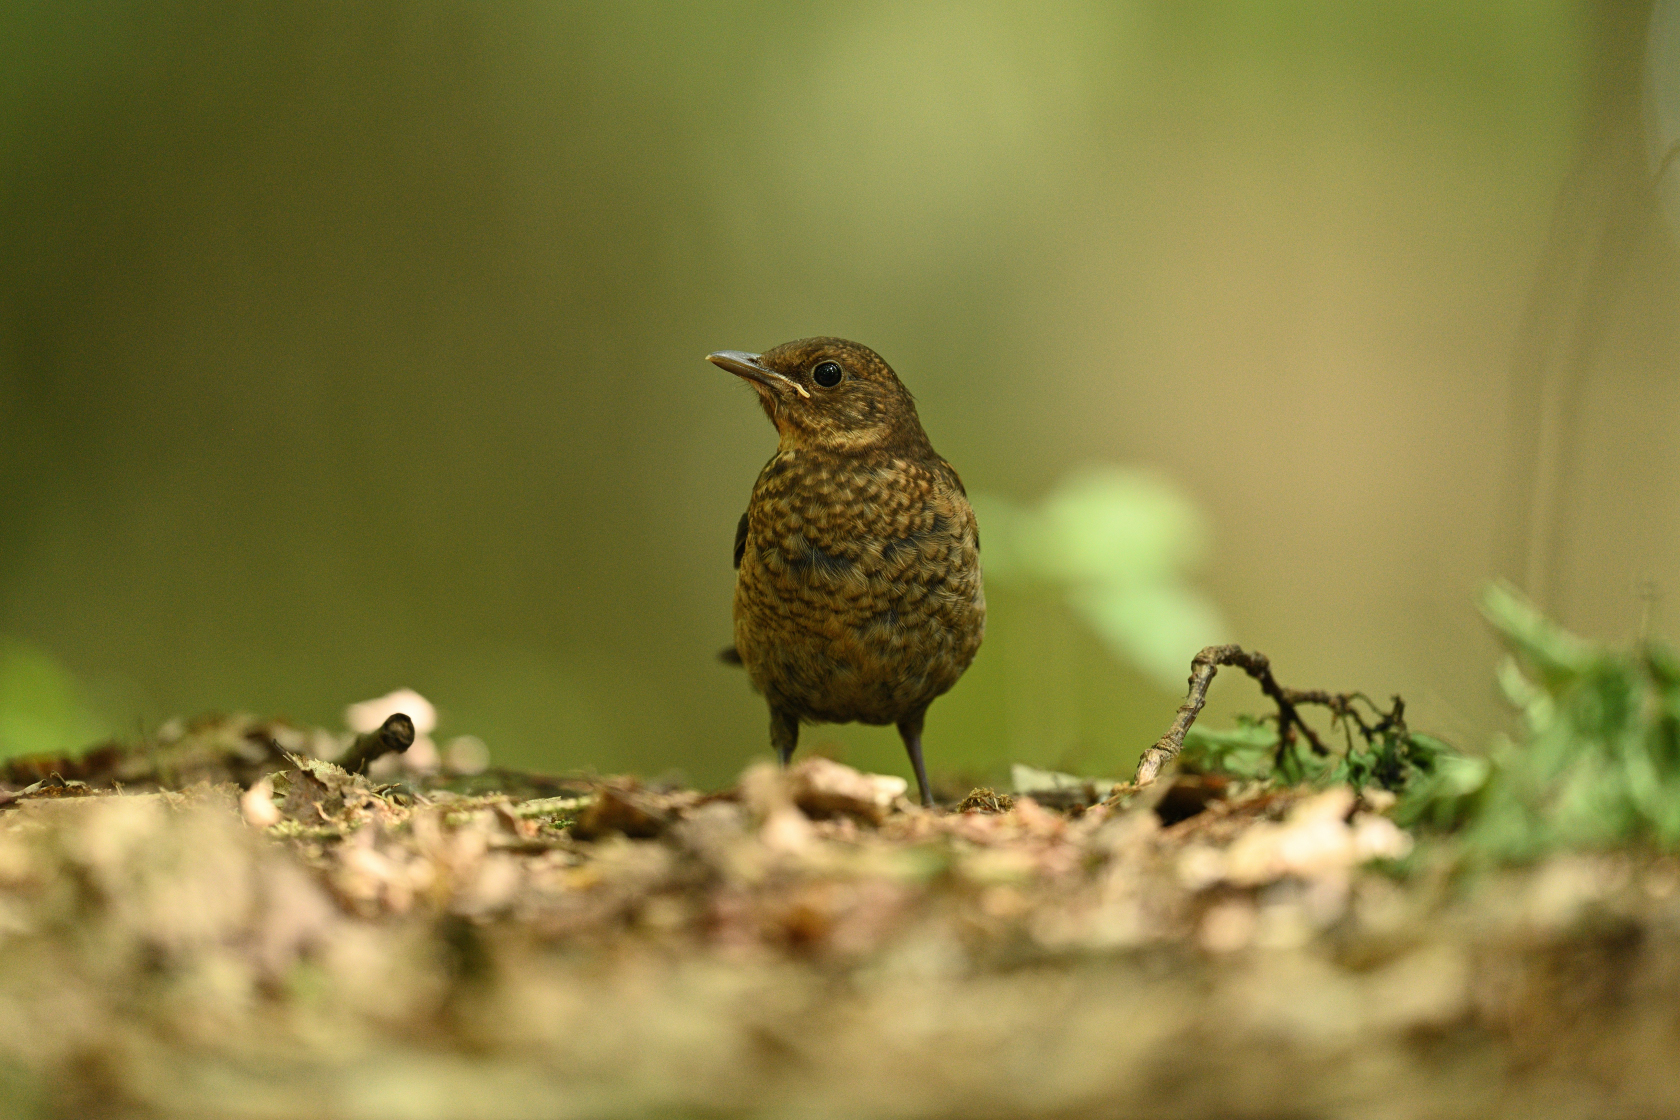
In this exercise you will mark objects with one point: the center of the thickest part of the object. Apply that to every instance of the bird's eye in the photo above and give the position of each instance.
(827, 374)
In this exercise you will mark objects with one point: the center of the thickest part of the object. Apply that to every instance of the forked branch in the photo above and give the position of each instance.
(1288, 701)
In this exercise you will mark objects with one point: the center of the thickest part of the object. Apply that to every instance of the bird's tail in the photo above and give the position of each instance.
(730, 656)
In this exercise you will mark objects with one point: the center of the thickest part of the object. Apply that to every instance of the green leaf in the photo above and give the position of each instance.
(1598, 763)
(1117, 544)
(1553, 651)
(1118, 527)
(42, 707)
(1245, 751)
(1159, 627)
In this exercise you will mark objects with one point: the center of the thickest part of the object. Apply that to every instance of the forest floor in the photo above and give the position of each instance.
(218, 925)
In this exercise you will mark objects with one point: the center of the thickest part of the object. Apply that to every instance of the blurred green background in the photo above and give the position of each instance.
(350, 347)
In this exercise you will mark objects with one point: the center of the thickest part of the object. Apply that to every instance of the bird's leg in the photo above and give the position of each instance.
(784, 733)
(910, 730)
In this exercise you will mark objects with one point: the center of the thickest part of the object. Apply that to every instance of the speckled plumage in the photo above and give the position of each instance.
(858, 592)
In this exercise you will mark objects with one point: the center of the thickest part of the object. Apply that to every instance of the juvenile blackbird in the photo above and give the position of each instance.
(857, 587)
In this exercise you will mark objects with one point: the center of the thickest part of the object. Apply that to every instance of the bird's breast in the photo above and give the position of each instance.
(828, 525)
(858, 595)
(869, 554)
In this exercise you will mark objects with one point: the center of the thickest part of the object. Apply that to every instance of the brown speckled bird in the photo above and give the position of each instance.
(857, 588)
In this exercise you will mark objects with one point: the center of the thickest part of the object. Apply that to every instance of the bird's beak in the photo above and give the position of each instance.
(743, 364)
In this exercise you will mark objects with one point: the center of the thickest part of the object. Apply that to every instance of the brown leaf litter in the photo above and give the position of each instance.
(286, 939)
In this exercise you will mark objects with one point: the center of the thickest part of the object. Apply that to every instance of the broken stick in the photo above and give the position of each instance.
(1257, 665)
(395, 734)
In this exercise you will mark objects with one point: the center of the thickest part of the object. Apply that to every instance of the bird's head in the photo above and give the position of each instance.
(827, 392)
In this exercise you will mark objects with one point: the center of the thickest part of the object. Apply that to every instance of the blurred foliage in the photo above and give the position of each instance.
(1247, 750)
(1662, 105)
(42, 706)
(352, 346)
(1598, 762)
(1118, 543)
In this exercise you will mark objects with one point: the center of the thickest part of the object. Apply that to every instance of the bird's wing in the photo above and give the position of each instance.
(955, 477)
(963, 490)
(732, 656)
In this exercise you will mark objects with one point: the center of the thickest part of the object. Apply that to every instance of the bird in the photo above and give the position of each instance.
(858, 590)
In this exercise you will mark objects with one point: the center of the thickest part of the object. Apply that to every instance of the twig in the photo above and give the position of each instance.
(1288, 701)
(1202, 668)
(395, 734)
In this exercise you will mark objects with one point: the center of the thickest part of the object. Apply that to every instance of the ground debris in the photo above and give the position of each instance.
(52, 786)
(822, 788)
(624, 807)
(808, 942)
(982, 799)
